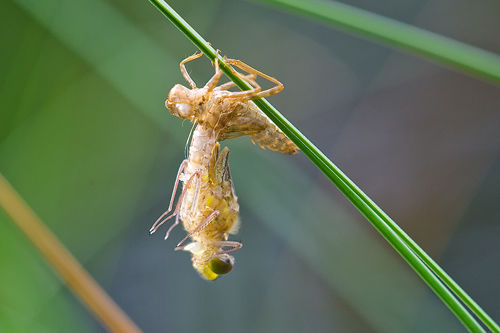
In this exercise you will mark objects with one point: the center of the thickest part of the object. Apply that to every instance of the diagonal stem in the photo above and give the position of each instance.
(77, 278)
(447, 51)
(425, 267)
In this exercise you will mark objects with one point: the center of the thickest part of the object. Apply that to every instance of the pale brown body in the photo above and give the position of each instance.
(230, 114)
(244, 118)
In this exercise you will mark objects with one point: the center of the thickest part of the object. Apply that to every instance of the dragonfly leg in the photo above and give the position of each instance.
(253, 94)
(196, 195)
(212, 83)
(162, 220)
(172, 226)
(184, 71)
(179, 172)
(250, 78)
(234, 246)
(199, 228)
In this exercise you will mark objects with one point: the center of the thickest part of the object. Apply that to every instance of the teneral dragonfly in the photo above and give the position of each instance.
(207, 207)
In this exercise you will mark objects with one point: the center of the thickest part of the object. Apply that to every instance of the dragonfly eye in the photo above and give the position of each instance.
(221, 265)
(179, 102)
(184, 110)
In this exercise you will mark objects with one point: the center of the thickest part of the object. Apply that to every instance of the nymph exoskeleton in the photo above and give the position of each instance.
(229, 114)
(207, 205)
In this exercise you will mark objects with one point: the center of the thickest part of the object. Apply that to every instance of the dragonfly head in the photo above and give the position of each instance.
(213, 267)
(179, 102)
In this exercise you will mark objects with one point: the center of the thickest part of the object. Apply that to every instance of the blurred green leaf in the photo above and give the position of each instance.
(449, 52)
(84, 148)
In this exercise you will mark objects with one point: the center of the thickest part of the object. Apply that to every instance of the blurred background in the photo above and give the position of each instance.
(86, 140)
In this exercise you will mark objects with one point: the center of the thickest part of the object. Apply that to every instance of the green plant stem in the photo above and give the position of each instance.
(447, 51)
(388, 228)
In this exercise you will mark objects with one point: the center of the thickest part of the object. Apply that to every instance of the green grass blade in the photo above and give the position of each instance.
(365, 205)
(447, 51)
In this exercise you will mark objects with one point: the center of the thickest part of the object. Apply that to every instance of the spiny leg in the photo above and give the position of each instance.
(199, 228)
(212, 83)
(251, 94)
(184, 71)
(234, 246)
(247, 68)
(181, 168)
(250, 78)
(179, 202)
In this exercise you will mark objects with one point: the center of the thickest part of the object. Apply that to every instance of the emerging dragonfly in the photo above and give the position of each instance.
(208, 209)
(207, 206)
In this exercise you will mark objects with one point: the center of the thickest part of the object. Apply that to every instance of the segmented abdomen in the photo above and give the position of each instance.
(274, 139)
(246, 118)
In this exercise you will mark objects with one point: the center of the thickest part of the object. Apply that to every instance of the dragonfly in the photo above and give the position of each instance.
(207, 205)
(208, 209)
